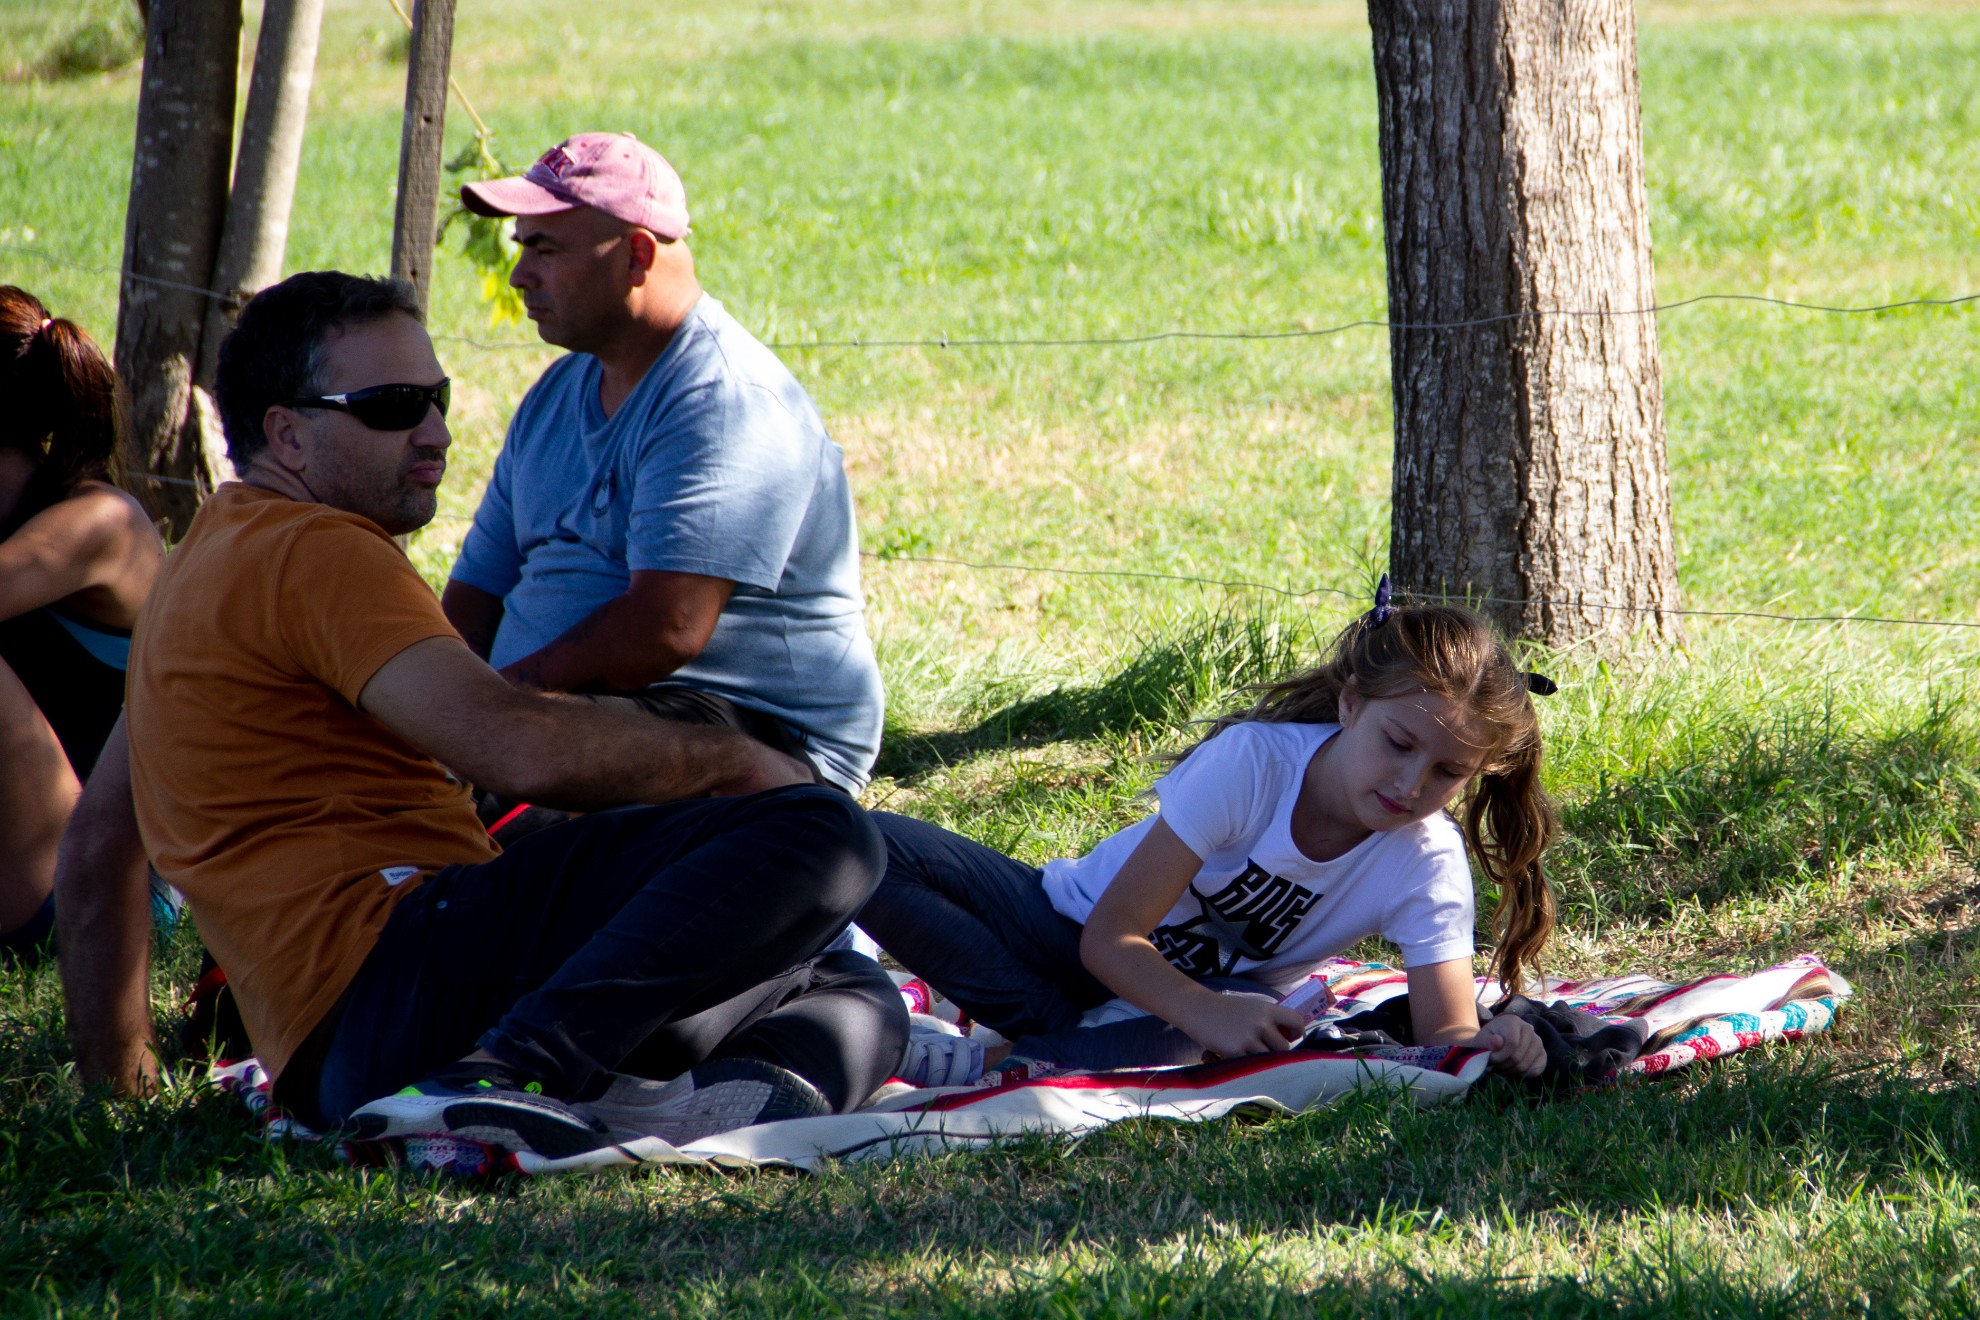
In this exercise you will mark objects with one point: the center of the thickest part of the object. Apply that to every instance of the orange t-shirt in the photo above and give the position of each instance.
(291, 820)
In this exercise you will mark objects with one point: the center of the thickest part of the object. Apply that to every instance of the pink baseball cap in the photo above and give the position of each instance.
(611, 172)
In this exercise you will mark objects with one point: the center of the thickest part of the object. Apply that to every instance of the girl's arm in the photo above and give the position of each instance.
(87, 540)
(1443, 1010)
(1115, 947)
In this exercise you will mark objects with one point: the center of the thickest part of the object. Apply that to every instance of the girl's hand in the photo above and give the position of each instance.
(1443, 1011)
(1234, 1025)
(1515, 1046)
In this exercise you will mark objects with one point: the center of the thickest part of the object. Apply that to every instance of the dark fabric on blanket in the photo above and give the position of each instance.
(1388, 1019)
(1581, 1048)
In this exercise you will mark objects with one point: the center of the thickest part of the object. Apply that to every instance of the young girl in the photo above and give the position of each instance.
(1292, 831)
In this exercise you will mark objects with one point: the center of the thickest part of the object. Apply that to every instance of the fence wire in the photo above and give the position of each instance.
(1177, 335)
(1161, 336)
(1300, 593)
(1306, 593)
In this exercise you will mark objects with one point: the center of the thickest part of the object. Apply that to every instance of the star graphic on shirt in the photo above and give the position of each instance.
(1251, 917)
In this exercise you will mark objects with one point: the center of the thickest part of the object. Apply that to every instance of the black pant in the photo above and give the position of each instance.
(643, 940)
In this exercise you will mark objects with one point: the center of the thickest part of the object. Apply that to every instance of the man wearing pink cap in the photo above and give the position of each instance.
(668, 522)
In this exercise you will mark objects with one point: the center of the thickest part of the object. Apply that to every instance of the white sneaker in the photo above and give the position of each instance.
(940, 1058)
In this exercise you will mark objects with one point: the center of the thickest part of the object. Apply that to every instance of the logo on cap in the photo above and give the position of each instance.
(556, 162)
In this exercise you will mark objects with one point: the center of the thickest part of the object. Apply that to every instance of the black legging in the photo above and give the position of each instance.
(642, 940)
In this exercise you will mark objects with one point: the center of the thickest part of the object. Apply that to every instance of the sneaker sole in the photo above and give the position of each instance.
(512, 1126)
(719, 1107)
(401, 1116)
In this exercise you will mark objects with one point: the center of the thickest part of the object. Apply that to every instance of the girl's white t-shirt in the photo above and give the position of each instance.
(1260, 907)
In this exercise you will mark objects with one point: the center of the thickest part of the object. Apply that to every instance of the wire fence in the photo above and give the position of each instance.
(1300, 593)
(1184, 335)
(1306, 593)
(1175, 335)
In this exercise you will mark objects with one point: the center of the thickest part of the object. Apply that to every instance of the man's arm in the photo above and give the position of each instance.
(554, 750)
(661, 622)
(102, 890)
(475, 614)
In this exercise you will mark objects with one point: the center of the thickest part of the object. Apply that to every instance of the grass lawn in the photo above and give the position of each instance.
(1064, 168)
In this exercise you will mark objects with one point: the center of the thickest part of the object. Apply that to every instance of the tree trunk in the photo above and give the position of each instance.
(1530, 472)
(185, 138)
(257, 228)
(421, 137)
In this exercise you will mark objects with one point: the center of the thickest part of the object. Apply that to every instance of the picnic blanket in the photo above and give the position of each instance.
(1684, 1023)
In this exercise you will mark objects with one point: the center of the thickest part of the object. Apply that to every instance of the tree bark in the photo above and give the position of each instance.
(185, 138)
(421, 138)
(1530, 472)
(256, 233)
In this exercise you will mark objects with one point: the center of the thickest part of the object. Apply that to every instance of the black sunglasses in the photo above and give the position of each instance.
(385, 407)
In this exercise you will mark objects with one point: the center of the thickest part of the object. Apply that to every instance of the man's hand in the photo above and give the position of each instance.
(767, 768)
(1234, 1025)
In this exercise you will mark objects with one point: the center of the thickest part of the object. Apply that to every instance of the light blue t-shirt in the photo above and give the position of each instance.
(717, 464)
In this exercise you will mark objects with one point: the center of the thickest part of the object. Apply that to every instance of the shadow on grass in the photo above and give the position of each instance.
(1202, 667)
(1214, 1285)
(180, 1204)
(1772, 807)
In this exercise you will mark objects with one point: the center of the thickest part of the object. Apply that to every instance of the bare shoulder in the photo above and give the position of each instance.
(96, 550)
(113, 503)
(111, 513)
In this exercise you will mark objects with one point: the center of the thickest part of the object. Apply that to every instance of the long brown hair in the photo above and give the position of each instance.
(64, 406)
(1505, 815)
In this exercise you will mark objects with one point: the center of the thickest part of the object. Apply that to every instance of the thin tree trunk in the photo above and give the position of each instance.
(257, 229)
(421, 137)
(1529, 460)
(185, 138)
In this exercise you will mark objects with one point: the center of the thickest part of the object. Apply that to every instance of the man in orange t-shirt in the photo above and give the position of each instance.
(302, 719)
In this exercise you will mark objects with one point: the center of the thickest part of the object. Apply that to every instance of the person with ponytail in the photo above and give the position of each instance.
(1340, 806)
(77, 559)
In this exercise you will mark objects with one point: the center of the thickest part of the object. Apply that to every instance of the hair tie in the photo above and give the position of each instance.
(1539, 684)
(1380, 614)
(46, 321)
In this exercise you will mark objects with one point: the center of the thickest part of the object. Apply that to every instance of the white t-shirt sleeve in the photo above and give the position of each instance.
(1434, 913)
(1224, 793)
